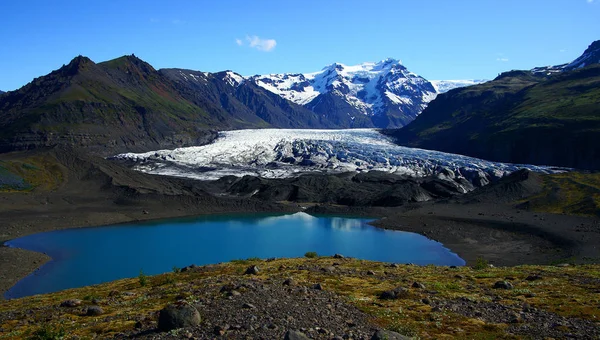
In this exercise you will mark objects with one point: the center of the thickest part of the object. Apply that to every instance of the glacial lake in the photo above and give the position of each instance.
(87, 256)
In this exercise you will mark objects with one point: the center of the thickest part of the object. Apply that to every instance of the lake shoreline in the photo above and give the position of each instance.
(468, 237)
(96, 192)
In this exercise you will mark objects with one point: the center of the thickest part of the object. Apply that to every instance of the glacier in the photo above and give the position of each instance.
(282, 153)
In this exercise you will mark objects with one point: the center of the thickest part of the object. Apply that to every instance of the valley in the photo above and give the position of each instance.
(482, 199)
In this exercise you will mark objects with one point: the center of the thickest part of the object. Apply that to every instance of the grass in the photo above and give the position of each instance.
(567, 291)
(26, 174)
(568, 193)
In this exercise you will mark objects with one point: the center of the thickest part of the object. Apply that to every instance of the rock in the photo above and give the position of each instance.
(426, 301)
(178, 315)
(329, 269)
(317, 286)
(248, 306)
(70, 303)
(294, 335)
(563, 265)
(289, 282)
(220, 330)
(397, 293)
(388, 335)
(534, 277)
(514, 318)
(233, 293)
(526, 307)
(370, 272)
(503, 285)
(252, 270)
(188, 268)
(338, 256)
(227, 288)
(387, 295)
(94, 311)
(418, 285)
(393, 265)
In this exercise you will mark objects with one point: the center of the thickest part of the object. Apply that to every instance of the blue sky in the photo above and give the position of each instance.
(438, 39)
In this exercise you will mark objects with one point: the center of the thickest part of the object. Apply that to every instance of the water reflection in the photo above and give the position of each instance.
(93, 255)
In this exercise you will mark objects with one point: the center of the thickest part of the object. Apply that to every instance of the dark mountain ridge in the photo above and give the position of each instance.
(126, 105)
(520, 117)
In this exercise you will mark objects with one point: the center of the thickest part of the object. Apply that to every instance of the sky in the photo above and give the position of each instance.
(437, 39)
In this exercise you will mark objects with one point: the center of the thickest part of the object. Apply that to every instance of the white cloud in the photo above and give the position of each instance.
(590, 1)
(502, 59)
(563, 51)
(260, 44)
(178, 22)
(239, 42)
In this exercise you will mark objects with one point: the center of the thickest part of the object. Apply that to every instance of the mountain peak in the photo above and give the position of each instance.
(390, 61)
(593, 48)
(77, 64)
(590, 56)
(129, 61)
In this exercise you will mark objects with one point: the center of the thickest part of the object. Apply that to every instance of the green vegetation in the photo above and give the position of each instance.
(568, 193)
(518, 117)
(27, 174)
(311, 255)
(143, 279)
(48, 333)
(481, 263)
(566, 291)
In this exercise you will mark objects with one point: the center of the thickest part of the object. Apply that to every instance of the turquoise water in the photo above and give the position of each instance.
(86, 256)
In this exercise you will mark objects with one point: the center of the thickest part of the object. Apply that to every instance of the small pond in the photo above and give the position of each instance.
(86, 256)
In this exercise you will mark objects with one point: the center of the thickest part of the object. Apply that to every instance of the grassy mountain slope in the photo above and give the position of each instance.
(519, 117)
(123, 104)
(126, 105)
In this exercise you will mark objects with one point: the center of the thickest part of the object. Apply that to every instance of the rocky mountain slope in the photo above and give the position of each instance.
(383, 94)
(589, 57)
(520, 117)
(125, 104)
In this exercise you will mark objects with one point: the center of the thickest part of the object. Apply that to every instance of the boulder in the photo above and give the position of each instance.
(294, 335)
(178, 315)
(396, 293)
(70, 303)
(94, 311)
(503, 285)
(388, 335)
(252, 270)
(418, 285)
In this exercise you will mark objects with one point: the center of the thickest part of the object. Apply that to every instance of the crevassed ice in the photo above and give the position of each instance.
(278, 153)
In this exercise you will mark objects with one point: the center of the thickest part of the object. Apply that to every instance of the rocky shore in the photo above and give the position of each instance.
(320, 298)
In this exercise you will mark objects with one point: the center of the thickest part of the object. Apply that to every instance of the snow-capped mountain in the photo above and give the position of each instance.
(590, 56)
(386, 93)
(442, 86)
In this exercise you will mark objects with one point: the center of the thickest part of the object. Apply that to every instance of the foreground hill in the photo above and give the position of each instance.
(520, 117)
(322, 298)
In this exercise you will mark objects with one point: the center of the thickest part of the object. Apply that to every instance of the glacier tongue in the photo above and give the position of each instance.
(279, 153)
